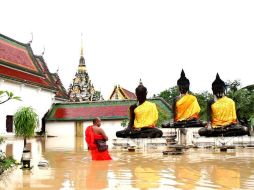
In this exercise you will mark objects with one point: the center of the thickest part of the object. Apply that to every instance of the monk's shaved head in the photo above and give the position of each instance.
(96, 120)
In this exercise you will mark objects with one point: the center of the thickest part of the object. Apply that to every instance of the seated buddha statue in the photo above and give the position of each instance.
(185, 106)
(221, 114)
(143, 118)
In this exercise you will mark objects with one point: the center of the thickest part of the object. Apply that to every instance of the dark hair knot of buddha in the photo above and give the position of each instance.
(218, 86)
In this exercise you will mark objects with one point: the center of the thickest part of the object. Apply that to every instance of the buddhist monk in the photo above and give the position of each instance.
(93, 133)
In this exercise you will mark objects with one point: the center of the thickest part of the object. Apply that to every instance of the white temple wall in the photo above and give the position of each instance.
(39, 99)
(67, 128)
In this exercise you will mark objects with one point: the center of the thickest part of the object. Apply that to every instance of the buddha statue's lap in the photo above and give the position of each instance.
(189, 123)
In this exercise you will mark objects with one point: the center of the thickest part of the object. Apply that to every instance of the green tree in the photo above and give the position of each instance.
(244, 99)
(163, 117)
(169, 94)
(25, 121)
(203, 99)
(6, 96)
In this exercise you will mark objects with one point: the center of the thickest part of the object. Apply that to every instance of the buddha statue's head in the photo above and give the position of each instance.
(183, 83)
(141, 93)
(218, 87)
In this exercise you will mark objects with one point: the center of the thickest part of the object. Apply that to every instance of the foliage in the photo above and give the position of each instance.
(203, 99)
(6, 95)
(6, 162)
(244, 100)
(169, 94)
(163, 117)
(25, 121)
(124, 123)
(1, 140)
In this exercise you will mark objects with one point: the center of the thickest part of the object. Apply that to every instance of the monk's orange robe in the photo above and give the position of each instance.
(223, 112)
(187, 108)
(91, 137)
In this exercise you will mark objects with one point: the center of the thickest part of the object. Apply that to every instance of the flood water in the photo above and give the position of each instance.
(70, 167)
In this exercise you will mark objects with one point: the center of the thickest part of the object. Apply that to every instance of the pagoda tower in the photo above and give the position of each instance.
(82, 88)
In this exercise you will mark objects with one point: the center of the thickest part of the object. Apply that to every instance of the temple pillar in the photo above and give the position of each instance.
(79, 129)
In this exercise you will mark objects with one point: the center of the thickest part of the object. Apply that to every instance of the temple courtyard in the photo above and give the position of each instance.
(67, 165)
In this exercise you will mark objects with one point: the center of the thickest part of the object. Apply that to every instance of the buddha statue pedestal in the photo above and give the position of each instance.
(172, 147)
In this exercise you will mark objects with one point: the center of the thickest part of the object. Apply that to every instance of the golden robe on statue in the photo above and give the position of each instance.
(187, 108)
(223, 112)
(146, 115)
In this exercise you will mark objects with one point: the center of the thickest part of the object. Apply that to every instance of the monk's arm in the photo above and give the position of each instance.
(101, 131)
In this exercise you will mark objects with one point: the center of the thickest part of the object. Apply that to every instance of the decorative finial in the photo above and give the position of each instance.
(31, 39)
(43, 51)
(140, 82)
(57, 71)
(81, 51)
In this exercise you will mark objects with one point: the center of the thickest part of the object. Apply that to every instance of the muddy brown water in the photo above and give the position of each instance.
(70, 167)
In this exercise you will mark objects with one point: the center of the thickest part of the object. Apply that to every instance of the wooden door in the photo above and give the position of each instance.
(9, 123)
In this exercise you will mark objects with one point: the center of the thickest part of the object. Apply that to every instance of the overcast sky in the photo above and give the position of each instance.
(128, 40)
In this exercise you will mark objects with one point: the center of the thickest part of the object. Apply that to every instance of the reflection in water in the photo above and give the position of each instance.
(70, 167)
(96, 177)
(146, 177)
(226, 177)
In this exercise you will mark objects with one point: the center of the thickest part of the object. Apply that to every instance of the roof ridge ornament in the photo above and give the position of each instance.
(81, 48)
(42, 54)
(31, 38)
(140, 82)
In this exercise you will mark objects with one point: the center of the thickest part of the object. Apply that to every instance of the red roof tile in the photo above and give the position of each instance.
(54, 79)
(92, 112)
(125, 93)
(129, 94)
(106, 110)
(18, 63)
(22, 76)
(61, 91)
(16, 55)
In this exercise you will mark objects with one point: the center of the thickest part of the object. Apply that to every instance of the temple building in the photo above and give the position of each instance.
(82, 88)
(27, 76)
(75, 117)
(119, 93)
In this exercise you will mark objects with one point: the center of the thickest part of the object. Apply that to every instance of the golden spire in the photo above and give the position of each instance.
(81, 52)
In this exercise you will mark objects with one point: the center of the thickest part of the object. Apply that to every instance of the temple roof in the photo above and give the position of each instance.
(18, 63)
(106, 110)
(54, 79)
(126, 94)
(61, 93)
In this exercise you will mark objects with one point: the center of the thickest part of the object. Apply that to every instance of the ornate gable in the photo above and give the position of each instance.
(54, 79)
(18, 63)
(120, 93)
